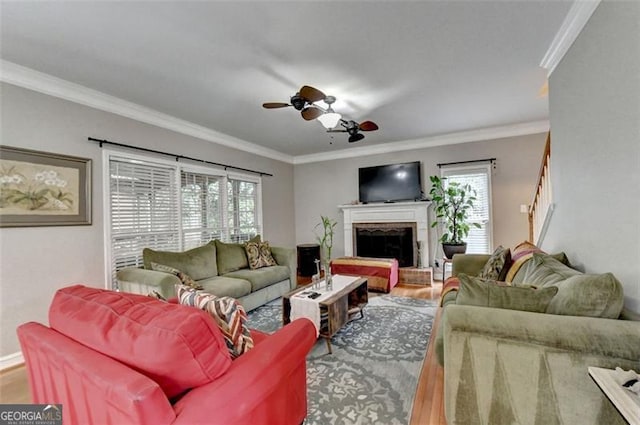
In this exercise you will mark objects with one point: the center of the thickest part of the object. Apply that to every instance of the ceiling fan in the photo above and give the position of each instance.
(304, 101)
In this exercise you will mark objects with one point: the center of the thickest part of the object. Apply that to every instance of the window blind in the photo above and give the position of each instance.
(243, 220)
(201, 209)
(143, 201)
(479, 240)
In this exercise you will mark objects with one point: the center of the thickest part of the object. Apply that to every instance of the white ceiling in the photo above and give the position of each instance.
(416, 68)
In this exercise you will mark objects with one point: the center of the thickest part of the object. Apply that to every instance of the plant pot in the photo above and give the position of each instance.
(451, 249)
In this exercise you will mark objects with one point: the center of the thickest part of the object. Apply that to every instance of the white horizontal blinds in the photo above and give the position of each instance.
(242, 210)
(201, 208)
(479, 177)
(143, 201)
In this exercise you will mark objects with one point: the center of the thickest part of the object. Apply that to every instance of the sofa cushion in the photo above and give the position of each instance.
(593, 295)
(261, 278)
(199, 263)
(176, 346)
(544, 270)
(259, 255)
(232, 256)
(487, 293)
(228, 314)
(497, 265)
(224, 286)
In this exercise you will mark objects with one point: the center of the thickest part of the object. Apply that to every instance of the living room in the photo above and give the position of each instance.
(592, 115)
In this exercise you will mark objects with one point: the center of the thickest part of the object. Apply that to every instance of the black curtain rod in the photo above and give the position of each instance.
(467, 162)
(177, 157)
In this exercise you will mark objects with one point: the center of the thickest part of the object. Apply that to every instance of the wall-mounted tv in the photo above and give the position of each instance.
(390, 183)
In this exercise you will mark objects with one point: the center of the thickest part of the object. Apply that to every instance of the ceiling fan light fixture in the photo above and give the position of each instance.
(356, 137)
(329, 119)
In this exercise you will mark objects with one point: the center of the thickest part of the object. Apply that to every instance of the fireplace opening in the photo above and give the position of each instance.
(386, 240)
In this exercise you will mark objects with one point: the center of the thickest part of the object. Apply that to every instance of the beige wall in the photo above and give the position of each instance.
(594, 99)
(320, 187)
(36, 261)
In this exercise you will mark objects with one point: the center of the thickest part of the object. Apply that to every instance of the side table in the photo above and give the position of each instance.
(445, 261)
(626, 402)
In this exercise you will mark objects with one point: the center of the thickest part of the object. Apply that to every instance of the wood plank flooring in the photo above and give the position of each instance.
(428, 408)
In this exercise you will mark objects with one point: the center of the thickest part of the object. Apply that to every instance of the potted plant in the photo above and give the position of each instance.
(326, 243)
(453, 202)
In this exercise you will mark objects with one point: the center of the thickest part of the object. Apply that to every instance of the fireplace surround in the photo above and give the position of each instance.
(381, 220)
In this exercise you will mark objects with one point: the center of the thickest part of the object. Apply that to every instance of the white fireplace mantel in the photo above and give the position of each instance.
(398, 212)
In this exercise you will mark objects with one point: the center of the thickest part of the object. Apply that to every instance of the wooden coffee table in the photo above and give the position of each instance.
(339, 308)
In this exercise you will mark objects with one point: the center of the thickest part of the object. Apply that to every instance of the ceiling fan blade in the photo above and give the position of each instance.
(311, 94)
(311, 113)
(336, 131)
(273, 105)
(368, 126)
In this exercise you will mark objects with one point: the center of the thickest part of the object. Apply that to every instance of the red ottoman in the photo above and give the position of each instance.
(381, 273)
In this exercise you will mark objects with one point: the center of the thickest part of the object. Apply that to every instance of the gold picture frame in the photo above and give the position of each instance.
(43, 189)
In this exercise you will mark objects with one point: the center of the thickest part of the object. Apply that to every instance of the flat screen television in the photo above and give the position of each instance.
(390, 183)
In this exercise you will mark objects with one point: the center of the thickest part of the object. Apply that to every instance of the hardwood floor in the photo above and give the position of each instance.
(428, 407)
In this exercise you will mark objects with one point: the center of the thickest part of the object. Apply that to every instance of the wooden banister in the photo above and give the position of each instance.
(542, 202)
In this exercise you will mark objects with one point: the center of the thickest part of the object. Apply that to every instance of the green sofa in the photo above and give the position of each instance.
(220, 268)
(507, 366)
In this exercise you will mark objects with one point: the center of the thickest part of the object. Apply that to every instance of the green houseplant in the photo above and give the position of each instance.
(325, 240)
(453, 203)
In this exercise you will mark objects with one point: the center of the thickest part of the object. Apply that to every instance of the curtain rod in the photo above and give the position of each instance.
(492, 160)
(177, 157)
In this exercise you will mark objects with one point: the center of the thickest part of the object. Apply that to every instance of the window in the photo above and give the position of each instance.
(479, 240)
(174, 207)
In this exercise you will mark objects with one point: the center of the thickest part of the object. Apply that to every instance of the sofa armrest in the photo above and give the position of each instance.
(141, 281)
(287, 257)
(498, 361)
(471, 264)
(267, 385)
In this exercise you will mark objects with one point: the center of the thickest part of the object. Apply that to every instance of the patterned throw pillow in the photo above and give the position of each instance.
(184, 278)
(522, 253)
(228, 314)
(259, 255)
(498, 264)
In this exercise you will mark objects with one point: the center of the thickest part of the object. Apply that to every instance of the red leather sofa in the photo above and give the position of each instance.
(118, 358)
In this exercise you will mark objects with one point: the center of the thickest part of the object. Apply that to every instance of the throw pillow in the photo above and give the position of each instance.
(487, 293)
(157, 295)
(519, 256)
(543, 270)
(184, 278)
(232, 256)
(498, 264)
(259, 255)
(228, 314)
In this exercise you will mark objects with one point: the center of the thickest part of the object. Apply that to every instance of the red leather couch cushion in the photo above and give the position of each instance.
(179, 347)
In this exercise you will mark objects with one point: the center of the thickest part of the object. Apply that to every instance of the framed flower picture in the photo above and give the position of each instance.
(43, 189)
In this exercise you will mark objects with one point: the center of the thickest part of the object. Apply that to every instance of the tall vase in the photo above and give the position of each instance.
(327, 275)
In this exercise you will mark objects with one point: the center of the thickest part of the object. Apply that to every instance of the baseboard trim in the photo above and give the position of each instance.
(11, 360)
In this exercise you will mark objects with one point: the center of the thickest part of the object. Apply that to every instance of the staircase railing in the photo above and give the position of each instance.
(541, 206)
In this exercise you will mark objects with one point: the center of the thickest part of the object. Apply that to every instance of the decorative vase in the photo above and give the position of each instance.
(328, 279)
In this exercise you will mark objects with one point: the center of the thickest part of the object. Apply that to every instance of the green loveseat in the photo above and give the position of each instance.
(220, 268)
(505, 366)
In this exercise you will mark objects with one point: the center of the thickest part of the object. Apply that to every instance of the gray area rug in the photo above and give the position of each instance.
(372, 375)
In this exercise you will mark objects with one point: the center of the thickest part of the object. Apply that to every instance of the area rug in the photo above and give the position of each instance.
(372, 375)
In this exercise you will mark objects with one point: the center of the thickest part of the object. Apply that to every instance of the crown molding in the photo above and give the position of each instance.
(428, 142)
(28, 78)
(571, 27)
